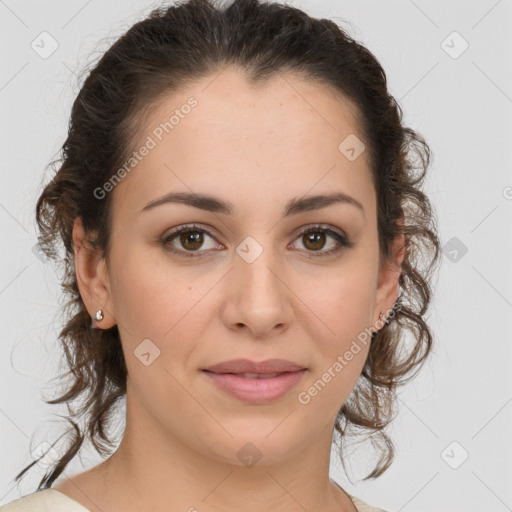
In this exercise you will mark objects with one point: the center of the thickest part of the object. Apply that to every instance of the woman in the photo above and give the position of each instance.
(246, 246)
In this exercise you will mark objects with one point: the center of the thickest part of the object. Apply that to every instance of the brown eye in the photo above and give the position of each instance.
(191, 240)
(315, 238)
(187, 240)
(314, 241)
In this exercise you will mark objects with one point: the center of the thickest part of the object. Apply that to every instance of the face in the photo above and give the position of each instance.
(254, 276)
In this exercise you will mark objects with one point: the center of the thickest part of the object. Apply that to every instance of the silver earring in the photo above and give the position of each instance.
(381, 317)
(99, 315)
(374, 333)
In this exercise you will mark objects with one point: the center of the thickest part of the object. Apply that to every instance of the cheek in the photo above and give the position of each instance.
(340, 305)
(147, 293)
(339, 321)
(158, 301)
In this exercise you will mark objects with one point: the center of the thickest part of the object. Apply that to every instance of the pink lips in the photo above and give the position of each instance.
(256, 382)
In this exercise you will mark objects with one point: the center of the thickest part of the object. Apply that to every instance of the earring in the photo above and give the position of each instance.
(99, 315)
(374, 333)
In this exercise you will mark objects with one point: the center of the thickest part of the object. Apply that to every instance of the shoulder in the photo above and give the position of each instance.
(45, 500)
(364, 507)
(50, 500)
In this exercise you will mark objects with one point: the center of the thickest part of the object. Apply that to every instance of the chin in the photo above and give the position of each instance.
(263, 445)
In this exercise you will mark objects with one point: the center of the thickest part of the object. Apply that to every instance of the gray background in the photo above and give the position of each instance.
(462, 104)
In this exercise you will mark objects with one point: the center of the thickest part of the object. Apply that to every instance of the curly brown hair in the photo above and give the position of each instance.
(172, 47)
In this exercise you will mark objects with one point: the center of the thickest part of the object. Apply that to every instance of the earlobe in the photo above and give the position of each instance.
(389, 275)
(92, 279)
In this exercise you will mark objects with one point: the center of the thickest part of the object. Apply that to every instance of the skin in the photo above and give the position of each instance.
(256, 148)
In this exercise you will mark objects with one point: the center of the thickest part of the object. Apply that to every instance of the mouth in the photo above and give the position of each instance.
(247, 366)
(256, 388)
(252, 375)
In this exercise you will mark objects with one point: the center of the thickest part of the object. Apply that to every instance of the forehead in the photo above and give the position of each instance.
(222, 131)
(284, 107)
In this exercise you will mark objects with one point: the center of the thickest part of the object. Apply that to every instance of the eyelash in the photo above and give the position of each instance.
(343, 241)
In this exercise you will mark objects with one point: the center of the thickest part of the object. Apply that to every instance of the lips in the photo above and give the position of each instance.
(258, 375)
(256, 382)
(246, 366)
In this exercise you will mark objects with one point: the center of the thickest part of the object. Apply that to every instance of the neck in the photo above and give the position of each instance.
(159, 472)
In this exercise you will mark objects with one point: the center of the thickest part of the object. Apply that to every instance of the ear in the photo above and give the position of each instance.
(389, 274)
(92, 278)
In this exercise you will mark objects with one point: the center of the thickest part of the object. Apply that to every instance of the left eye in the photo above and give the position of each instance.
(315, 238)
(191, 238)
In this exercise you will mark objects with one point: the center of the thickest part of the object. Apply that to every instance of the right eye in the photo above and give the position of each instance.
(190, 237)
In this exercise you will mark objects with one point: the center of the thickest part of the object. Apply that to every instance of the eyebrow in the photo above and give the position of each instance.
(293, 207)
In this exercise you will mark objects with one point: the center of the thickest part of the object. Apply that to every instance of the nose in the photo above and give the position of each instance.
(259, 299)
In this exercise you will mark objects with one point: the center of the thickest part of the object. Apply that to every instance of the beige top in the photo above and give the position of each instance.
(51, 500)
